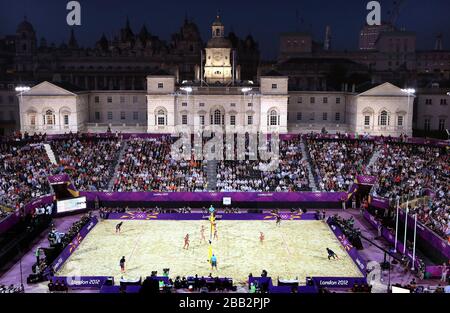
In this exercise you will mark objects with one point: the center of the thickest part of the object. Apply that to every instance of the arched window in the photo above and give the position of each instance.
(49, 118)
(384, 118)
(161, 118)
(217, 117)
(273, 118)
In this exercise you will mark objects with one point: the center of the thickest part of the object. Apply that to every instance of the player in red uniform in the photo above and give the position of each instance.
(202, 234)
(261, 237)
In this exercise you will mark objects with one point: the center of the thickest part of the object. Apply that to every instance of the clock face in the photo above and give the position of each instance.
(217, 56)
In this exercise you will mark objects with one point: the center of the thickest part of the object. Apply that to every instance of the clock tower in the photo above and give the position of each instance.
(218, 67)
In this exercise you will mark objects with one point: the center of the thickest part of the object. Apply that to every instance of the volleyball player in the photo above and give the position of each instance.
(118, 227)
(186, 242)
(122, 264)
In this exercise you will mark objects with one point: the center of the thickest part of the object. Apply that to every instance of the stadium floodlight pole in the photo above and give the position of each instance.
(21, 90)
(406, 228)
(409, 92)
(414, 246)
(396, 225)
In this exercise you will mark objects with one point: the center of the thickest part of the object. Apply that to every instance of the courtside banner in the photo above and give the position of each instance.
(217, 197)
(198, 216)
(338, 282)
(82, 282)
(73, 245)
(348, 247)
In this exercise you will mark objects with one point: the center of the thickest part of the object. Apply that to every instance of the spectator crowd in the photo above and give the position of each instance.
(24, 170)
(90, 161)
(408, 172)
(290, 174)
(337, 163)
(147, 165)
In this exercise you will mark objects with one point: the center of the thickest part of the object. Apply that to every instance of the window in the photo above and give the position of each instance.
(49, 118)
(312, 100)
(201, 104)
(202, 120)
(233, 105)
(299, 116)
(325, 100)
(300, 100)
(312, 116)
(161, 118)
(427, 124)
(428, 101)
(232, 120)
(109, 99)
(250, 104)
(184, 119)
(400, 120)
(250, 120)
(135, 99)
(160, 85)
(135, 116)
(441, 124)
(184, 104)
(367, 120)
(66, 119)
(97, 116)
(325, 116)
(217, 117)
(338, 100)
(274, 86)
(33, 120)
(443, 101)
(337, 116)
(110, 115)
(122, 115)
(96, 99)
(273, 118)
(122, 99)
(384, 121)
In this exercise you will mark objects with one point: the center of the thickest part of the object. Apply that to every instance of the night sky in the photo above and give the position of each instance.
(264, 19)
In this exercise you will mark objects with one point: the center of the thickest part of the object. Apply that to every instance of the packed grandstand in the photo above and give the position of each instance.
(409, 173)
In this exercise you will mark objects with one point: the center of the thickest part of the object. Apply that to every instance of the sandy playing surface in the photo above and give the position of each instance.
(295, 249)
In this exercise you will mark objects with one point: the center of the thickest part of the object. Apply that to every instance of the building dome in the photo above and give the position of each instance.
(219, 42)
(25, 27)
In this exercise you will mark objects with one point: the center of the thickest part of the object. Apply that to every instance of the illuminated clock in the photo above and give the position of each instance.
(217, 56)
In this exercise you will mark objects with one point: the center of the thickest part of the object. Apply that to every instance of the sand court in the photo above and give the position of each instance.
(295, 249)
